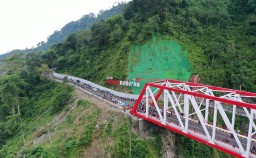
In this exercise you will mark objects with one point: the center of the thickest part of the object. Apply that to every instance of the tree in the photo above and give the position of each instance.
(43, 70)
(33, 60)
(71, 42)
(15, 64)
(50, 57)
(100, 33)
(11, 90)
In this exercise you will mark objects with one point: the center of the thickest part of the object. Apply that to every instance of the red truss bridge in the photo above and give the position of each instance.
(194, 110)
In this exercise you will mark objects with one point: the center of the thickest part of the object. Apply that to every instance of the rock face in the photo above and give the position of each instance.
(168, 139)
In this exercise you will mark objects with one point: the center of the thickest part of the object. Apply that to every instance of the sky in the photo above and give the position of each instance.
(24, 23)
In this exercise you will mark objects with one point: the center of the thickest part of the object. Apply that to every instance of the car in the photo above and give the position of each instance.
(226, 139)
(123, 104)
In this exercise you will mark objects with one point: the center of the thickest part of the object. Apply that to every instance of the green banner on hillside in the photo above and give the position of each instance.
(156, 60)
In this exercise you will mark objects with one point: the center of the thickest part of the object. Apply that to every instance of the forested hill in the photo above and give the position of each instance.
(220, 37)
(83, 23)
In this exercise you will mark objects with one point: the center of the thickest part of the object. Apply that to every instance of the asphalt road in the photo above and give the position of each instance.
(106, 95)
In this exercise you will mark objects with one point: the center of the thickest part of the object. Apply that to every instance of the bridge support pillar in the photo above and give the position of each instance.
(143, 126)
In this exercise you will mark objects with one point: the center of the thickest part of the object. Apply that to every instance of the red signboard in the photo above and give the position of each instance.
(123, 83)
(112, 82)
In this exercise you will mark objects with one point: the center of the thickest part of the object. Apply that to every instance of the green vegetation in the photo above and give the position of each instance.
(81, 127)
(72, 135)
(40, 118)
(28, 111)
(220, 37)
(28, 101)
(130, 145)
(190, 148)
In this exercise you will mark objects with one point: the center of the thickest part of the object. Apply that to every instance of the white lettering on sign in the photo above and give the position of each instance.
(109, 77)
(130, 83)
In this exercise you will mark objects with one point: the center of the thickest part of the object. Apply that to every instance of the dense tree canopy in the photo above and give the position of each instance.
(219, 35)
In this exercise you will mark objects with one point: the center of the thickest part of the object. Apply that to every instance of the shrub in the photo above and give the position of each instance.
(60, 101)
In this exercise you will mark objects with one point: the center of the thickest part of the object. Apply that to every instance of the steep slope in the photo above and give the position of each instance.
(87, 127)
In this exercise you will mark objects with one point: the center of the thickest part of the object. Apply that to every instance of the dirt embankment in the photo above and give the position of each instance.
(108, 112)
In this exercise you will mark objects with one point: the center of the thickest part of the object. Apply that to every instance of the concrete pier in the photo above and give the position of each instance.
(143, 126)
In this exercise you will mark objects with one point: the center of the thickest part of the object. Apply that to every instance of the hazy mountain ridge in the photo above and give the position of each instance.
(59, 36)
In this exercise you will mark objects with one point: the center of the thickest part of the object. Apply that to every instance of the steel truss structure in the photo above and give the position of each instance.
(194, 110)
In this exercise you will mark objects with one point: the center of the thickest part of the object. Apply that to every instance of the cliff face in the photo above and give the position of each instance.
(168, 149)
(91, 127)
